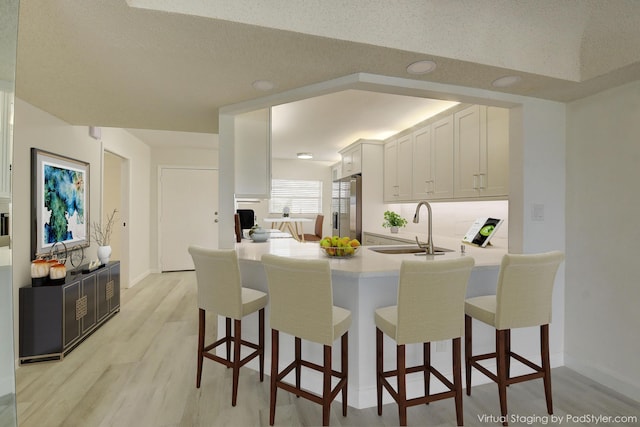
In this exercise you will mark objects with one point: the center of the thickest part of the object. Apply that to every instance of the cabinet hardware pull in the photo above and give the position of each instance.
(482, 181)
(109, 289)
(81, 307)
(475, 182)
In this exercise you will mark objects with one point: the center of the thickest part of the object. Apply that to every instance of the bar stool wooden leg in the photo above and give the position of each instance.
(298, 361)
(507, 350)
(344, 368)
(467, 351)
(502, 373)
(237, 335)
(326, 389)
(275, 343)
(426, 362)
(228, 337)
(201, 330)
(457, 379)
(402, 384)
(546, 367)
(261, 342)
(379, 366)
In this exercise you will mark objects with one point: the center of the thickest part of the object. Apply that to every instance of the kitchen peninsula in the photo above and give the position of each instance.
(361, 284)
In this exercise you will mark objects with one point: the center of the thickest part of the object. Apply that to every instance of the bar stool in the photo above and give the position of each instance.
(430, 308)
(302, 305)
(523, 299)
(220, 290)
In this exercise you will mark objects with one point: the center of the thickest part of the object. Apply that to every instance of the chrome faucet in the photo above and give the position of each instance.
(416, 219)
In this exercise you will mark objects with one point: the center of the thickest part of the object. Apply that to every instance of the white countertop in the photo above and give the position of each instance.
(367, 262)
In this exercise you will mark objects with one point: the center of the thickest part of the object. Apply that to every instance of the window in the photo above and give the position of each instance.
(301, 196)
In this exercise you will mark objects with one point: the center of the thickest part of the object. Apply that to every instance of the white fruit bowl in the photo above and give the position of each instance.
(340, 252)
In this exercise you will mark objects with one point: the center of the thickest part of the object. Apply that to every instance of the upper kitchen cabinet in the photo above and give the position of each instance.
(398, 169)
(351, 160)
(481, 145)
(433, 161)
(336, 171)
(252, 144)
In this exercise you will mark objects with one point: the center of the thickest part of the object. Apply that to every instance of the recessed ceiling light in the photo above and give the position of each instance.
(421, 67)
(506, 81)
(263, 85)
(305, 156)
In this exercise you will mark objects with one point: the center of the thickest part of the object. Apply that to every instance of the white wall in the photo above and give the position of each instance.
(173, 157)
(138, 154)
(602, 292)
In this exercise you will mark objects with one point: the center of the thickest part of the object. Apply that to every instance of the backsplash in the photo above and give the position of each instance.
(453, 219)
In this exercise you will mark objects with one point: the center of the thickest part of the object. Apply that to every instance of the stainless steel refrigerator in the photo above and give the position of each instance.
(346, 207)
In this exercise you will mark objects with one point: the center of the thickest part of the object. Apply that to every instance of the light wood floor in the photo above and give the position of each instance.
(139, 370)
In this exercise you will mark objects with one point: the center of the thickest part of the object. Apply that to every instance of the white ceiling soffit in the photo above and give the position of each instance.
(326, 124)
(172, 139)
(570, 40)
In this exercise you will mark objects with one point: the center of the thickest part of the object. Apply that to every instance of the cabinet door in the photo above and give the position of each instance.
(422, 185)
(356, 160)
(113, 287)
(405, 167)
(72, 310)
(467, 144)
(88, 296)
(391, 171)
(494, 180)
(442, 159)
(352, 161)
(347, 164)
(102, 301)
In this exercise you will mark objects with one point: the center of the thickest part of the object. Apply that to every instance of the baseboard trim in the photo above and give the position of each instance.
(605, 377)
(139, 279)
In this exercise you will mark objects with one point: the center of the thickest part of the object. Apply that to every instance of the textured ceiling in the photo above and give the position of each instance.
(104, 63)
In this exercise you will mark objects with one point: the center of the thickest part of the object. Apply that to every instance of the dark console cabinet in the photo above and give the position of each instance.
(55, 319)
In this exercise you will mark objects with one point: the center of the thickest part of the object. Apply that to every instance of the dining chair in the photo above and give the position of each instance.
(318, 231)
(523, 299)
(430, 307)
(220, 291)
(301, 305)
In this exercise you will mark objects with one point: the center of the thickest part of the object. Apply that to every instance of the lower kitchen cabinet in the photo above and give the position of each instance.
(55, 319)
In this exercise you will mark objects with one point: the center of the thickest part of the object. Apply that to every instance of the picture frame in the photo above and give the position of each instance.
(59, 203)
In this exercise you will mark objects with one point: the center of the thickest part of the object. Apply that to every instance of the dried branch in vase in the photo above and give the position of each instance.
(102, 235)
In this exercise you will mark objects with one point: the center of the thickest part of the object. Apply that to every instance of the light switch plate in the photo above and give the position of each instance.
(537, 212)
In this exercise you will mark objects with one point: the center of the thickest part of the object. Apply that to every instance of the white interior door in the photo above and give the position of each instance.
(188, 214)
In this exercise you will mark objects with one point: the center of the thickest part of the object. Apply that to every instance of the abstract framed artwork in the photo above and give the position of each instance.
(59, 203)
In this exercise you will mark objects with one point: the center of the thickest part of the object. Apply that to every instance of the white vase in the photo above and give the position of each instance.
(104, 252)
(394, 229)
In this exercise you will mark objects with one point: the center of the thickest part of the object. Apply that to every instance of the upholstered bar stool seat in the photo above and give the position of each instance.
(523, 299)
(220, 291)
(430, 308)
(301, 305)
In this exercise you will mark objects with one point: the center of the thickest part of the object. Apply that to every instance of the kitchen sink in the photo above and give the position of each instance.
(405, 249)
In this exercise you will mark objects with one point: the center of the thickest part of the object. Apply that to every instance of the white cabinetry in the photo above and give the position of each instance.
(336, 171)
(391, 171)
(433, 161)
(422, 160)
(481, 152)
(442, 158)
(398, 166)
(352, 161)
